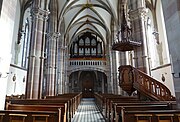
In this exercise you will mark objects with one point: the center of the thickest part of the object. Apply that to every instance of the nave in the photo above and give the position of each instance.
(88, 112)
(73, 107)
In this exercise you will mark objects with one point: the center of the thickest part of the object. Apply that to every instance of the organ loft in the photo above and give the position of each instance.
(89, 60)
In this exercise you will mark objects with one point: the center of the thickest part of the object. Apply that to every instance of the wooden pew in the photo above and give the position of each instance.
(70, 102)
(152, 116)
(28, 116)
(106, 102)
(120, 110)
(114, 103)
(74, 99)
(125, 99)
(103, 101)
(60, 110)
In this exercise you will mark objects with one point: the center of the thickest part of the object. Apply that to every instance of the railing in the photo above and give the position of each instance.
(87, 63)
(144, 83)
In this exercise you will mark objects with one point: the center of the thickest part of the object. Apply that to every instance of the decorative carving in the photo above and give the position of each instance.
(125, 29)
(124, 41)
(126, 79)
(138, 13)
(132, 79)
(54, 35)
(39, 13)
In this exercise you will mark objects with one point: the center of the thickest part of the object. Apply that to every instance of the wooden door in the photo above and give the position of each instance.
(87, 89)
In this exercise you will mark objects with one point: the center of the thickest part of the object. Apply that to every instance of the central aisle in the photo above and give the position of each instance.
(88, 112)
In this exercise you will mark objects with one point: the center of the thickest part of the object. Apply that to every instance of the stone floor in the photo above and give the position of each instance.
(88, 112)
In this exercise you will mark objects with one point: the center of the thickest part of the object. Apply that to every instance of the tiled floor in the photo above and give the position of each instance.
(88, 112)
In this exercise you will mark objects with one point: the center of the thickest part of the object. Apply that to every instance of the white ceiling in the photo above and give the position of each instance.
(88, 15)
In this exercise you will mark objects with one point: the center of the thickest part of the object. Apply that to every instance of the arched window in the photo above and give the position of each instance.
(25, 45)
(93, 42)
(156, 36)
(75, 48)
(1, 6)
(99, 48)
(151, 41)
(81, 42)
(87, 41)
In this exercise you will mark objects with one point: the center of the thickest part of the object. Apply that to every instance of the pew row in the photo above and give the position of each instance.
(60, 110)
(67, 102)
(151, 116)
(113, 106)
(28, 116)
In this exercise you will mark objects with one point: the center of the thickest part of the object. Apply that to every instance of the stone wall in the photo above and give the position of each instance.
(7, 18)
(171, 9)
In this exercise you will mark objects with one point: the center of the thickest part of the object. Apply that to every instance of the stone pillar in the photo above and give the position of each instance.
(36, 56)
(60, 66)
(66, 90)
(138, 23)
(51, 63)
(102, 83)
(114, 72)
(109, 83)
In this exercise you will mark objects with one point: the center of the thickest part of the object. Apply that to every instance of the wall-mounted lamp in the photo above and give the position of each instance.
(1, 75)
(175, 76)
(24, 79)
(14, 77)
(163, 78)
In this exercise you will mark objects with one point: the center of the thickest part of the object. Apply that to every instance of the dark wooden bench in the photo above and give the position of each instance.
(124, 99)
(152, 116)
(103, 101)
(74, 99)
(28, 116)
(60, 110)
(70, 103)
(119, 110)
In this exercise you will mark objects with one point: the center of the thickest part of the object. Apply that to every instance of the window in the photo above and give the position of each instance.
(87, 41)
(1, 6)
(25, 45)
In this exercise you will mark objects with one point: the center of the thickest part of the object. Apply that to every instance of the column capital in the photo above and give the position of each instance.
(39, 13)
(53, 35)
(138, 13)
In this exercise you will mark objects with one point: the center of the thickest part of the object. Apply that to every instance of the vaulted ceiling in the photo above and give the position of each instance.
(95, 16)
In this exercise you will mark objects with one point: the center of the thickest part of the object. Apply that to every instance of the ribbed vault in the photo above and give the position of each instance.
(95, 16)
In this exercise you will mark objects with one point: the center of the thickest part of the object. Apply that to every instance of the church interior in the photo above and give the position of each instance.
(89, 61)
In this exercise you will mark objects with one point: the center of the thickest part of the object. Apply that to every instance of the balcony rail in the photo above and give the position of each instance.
(87, 63)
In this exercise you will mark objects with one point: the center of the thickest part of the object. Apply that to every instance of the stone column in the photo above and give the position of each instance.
(138, 21)
(36, 56)
(51, 63)
(60, 66)
(102, 83)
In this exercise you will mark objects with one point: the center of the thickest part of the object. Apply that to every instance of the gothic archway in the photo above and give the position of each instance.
(88, 82)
